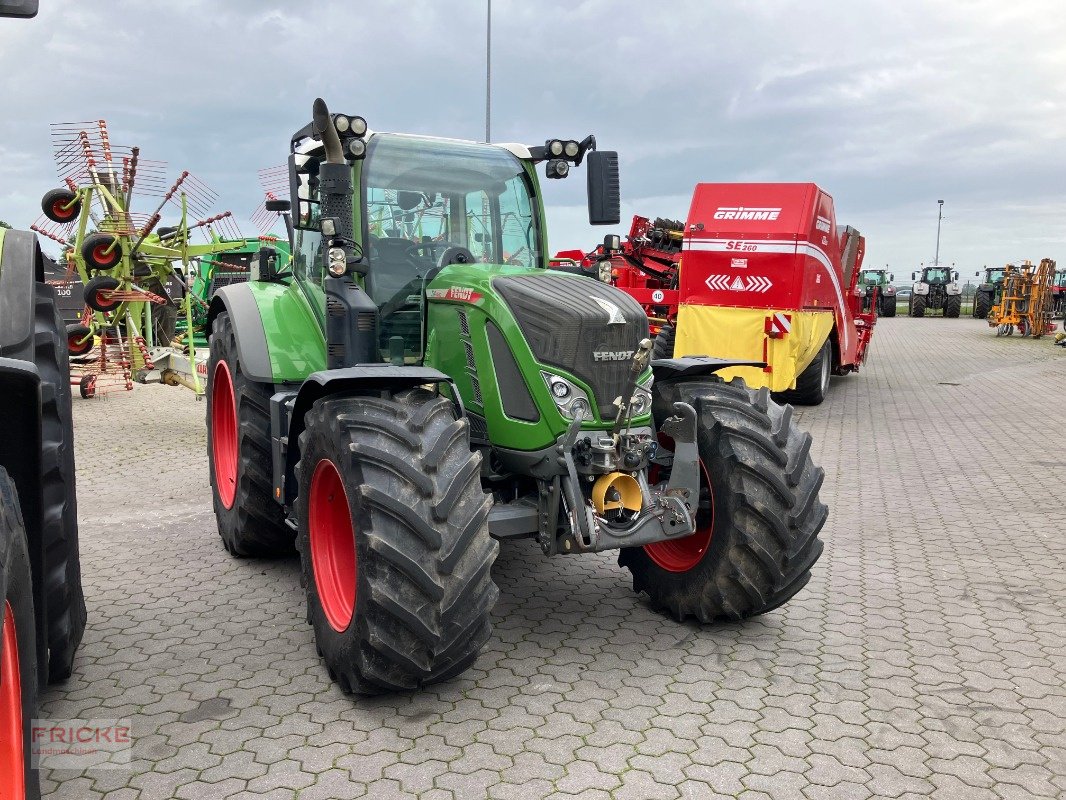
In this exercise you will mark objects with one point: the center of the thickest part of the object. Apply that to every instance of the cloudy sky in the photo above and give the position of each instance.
(890, 105)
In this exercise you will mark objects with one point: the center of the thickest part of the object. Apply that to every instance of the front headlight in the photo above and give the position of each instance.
(568, 397)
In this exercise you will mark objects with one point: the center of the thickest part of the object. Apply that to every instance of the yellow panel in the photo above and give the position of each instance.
(739, 333)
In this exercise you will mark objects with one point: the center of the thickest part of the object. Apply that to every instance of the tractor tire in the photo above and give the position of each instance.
(18, 651)
(94, 298)
(393, 538)
(918, 305)
(953, 306)
(888, 306)
(759, 517)
(101, 251)
(982, 305)
(64, 599)
(61, 205)
(250, 521)
(663, 346)
(812, 385)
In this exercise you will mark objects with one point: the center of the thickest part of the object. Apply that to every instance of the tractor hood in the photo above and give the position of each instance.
(579, 325)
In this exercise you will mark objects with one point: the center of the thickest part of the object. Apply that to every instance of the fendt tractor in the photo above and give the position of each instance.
(1058, 294)
(935, 288)
(988, 292)
(42, 607)
(768, 278)
(418, 386)
(879, 295)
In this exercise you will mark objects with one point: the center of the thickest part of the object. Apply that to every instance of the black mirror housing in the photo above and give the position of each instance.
(267, 264)
(604, 193)
(18, 8)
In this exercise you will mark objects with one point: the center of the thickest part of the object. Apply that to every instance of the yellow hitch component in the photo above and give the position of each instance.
(616, 490)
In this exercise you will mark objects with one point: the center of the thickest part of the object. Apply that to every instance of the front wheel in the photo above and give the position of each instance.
(953, 306)
(394, 541)
(888, 306)
(759, 512)
(918, 303)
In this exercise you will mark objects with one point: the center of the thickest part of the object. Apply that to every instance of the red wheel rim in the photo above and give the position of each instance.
(224, 434)
(329, 521)
(105, 303)
(101, 254)
(12, 765)
(60, 211)
(77, 345)
(681, 555)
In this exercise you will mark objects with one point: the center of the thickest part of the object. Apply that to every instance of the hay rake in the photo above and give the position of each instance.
(123, 257)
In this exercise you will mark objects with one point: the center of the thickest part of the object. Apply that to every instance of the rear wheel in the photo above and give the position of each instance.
(918, 305)
(759, 512)
(394, 542)
(953, 306)
(62, 590)
(663, 346)
(18, 655)
(812, 385)
(250, 521)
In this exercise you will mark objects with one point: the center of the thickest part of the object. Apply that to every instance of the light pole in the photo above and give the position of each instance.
(939, 216)
(488, 74)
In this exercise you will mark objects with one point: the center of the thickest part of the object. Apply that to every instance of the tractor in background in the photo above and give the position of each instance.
(935, 288)
(987, 293)
(1058, 294)
(768, 278)
(878, 292)
(419, 386)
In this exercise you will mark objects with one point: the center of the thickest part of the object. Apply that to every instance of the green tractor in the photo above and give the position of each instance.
(418, 386)
(879, 282)
(936, 288)
(988, 291)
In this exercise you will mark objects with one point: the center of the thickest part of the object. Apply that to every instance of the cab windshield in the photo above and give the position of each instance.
(872, 276)
(428, 203)
(936, 275)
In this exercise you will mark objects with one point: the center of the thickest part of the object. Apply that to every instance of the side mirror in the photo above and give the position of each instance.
(278, 205)
(18, 8)
(605, 200)
(267, 264)
(955, 275)
(891, 277)
(914, 276)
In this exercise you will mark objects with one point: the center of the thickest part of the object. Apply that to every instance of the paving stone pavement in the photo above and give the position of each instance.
(927, 656)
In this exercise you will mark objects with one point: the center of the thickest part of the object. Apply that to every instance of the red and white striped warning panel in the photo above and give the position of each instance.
(739, 283)
(780, 324)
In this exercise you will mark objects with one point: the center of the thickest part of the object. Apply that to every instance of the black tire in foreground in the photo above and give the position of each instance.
(250, 522)
(18, 652)
(663, 346)
(953, 306)
(62, 589)
(918, 305)
(812, 385)
(394, 542)
(759, 512)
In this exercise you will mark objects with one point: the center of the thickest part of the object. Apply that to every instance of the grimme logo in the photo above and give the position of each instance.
(740, 212)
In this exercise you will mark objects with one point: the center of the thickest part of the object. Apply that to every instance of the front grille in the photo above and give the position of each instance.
(565, 327)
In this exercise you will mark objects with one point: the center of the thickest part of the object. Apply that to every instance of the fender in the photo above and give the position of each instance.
(21, 266)
(670, 369)
(239, 302)
(20, 455)
(364, 379)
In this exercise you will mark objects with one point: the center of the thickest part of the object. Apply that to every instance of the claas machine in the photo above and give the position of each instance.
(758, 272)
(418, 386)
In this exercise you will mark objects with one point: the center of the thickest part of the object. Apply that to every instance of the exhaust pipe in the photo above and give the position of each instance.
(322, 125)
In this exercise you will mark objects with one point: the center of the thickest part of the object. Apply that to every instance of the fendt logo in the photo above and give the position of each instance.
(740, 212)
(738, 283)
(611, 355)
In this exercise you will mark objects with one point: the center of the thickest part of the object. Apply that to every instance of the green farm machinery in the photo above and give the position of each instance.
(419, 386)
(122, 258)
(988, 292)
(879, 295)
